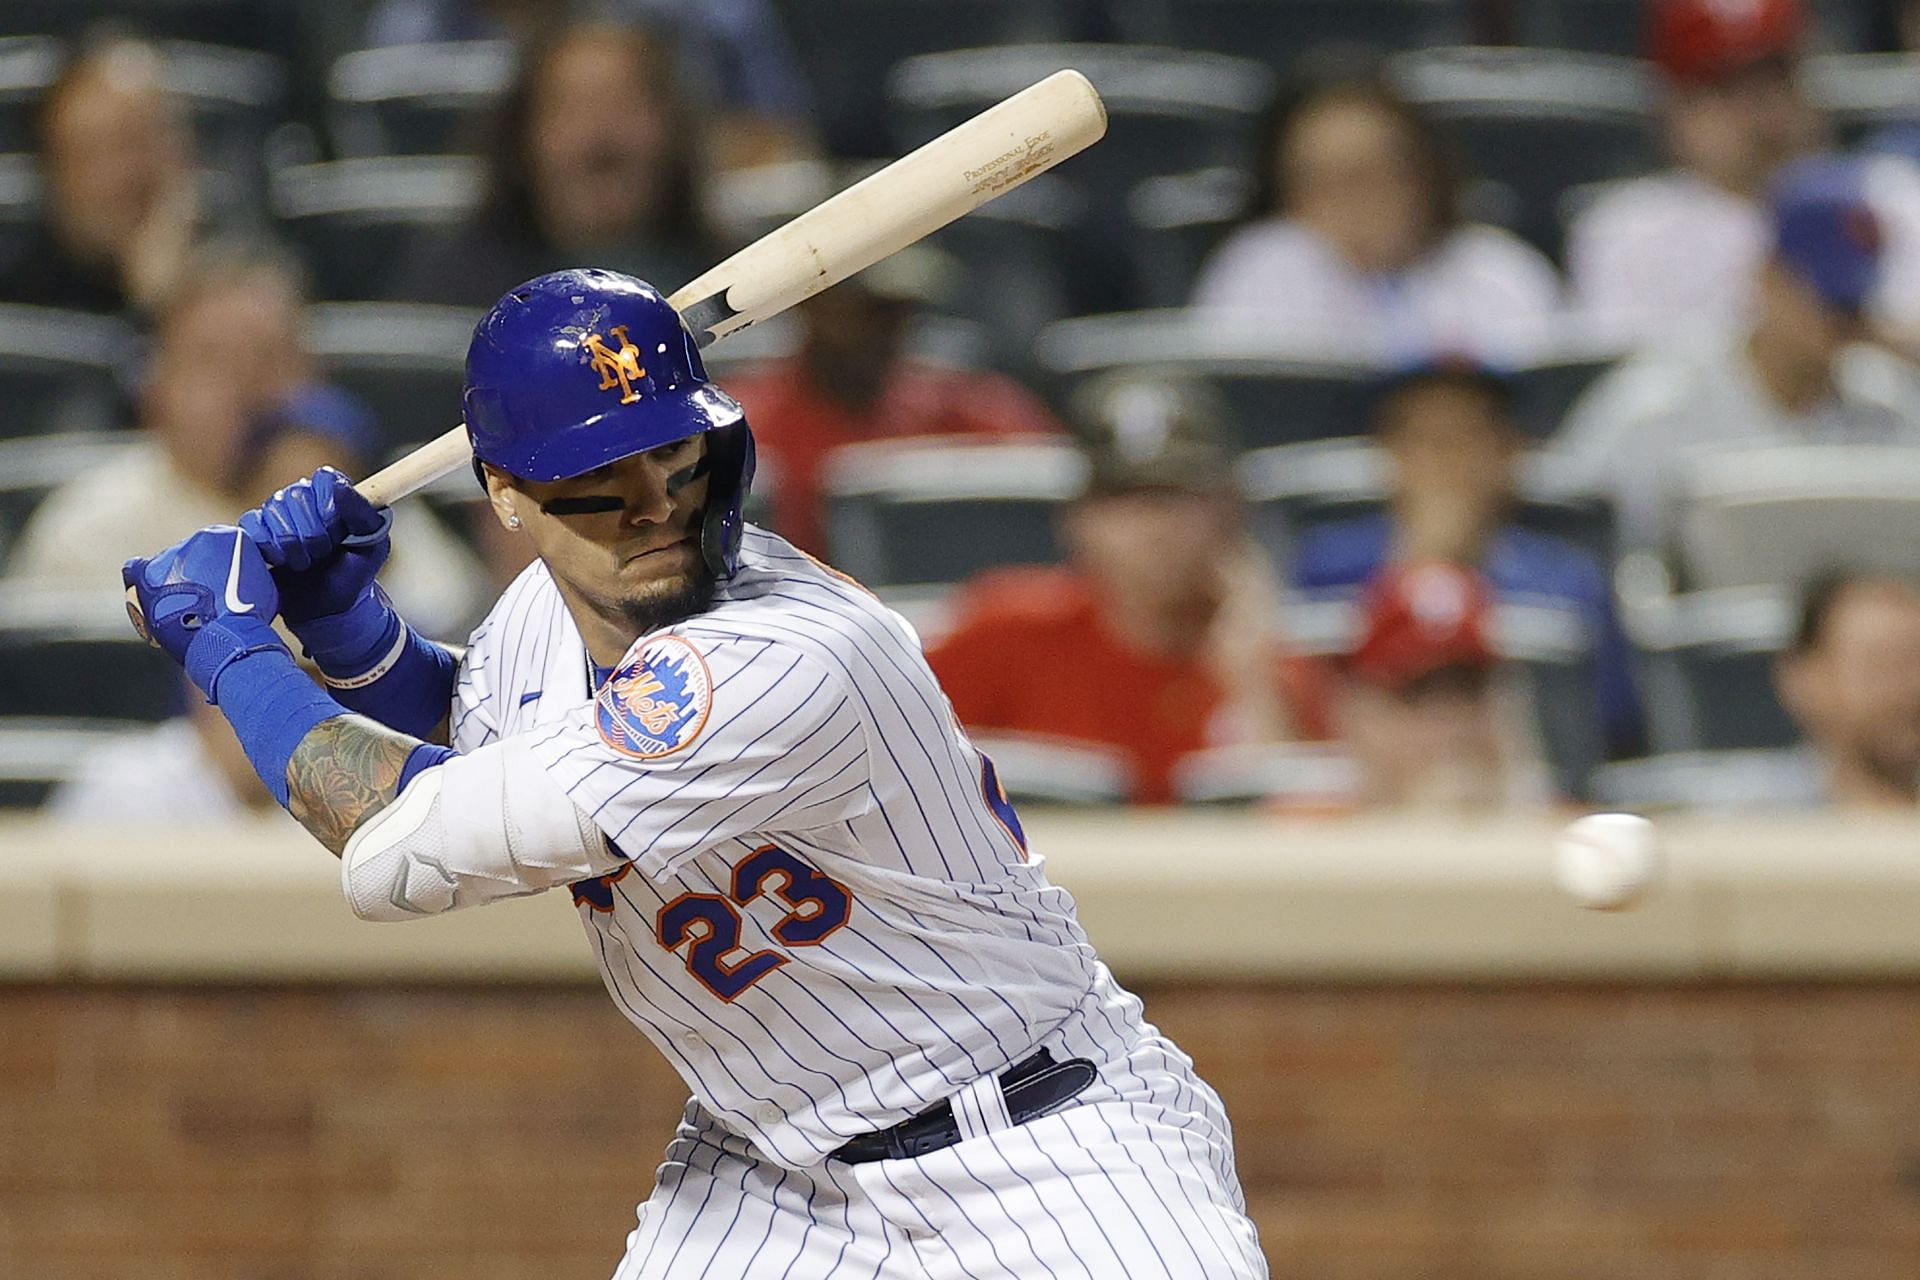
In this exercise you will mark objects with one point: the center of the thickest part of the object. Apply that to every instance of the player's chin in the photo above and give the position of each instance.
(666, 595)
(674, 562)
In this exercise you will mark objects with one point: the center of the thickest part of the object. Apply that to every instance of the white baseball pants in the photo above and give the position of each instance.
(1133, 1180)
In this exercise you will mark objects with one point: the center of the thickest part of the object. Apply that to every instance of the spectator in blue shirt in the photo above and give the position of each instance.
(1448, 431)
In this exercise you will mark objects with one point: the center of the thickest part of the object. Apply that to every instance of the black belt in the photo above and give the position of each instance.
(1032, 1088)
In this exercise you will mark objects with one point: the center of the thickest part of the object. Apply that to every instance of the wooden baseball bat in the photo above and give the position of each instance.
(916, 195)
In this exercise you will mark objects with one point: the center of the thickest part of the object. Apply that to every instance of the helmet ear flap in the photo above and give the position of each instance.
(730, 466)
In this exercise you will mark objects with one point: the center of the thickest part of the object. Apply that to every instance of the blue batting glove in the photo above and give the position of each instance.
(325, 543)
(205, 601)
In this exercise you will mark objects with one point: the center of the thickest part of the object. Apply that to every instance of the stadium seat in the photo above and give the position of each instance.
(1279, 400)
(1619, 27)
(1703, 781)
(1297, 775)
(1169, 111)
(1546, 388)
(426, 99)
(1002, 279)
(846, 48)
(272, 25)
(235, 98)
(1862, 92)
(63, 370)
(1616, 27)
(1277, 397)
(913, 513)
(1780, 516)
(354, 220)
(941, 339)
(67, 653)
(1551, 501)
(19, 204)
(37, 754)
(1040, 770)
(1849, 24)
(1175, 222)
(1533, 124)
(28, 64)
(1278, 32)
(35, 466)
(1707, 678)
(1289, 488)
(1011, 256)
(406, 360)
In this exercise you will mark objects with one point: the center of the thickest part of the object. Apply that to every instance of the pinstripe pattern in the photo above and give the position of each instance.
(828, 738)
(1131, 1182)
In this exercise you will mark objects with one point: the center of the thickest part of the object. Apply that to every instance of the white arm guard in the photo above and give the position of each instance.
(485, 825)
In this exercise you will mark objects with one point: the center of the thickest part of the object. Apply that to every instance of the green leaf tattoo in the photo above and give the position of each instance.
(344, 771)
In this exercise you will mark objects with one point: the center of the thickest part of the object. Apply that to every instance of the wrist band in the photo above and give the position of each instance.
(398, 677)
(409, 689)
(353, 639)
(222, 643)
(386, 663)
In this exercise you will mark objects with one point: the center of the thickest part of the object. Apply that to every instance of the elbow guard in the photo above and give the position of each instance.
(485, 825)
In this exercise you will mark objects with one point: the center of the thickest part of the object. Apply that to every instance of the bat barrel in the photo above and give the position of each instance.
(1002, 147)
(994, 152)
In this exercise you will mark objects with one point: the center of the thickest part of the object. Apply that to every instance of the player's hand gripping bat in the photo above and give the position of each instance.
(916, 195)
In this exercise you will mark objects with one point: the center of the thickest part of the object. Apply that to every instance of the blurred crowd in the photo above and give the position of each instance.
(1442, 405)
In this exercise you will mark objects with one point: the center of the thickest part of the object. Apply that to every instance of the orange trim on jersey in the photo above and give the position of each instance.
(832, 572)
(609, 880)
(759, 886)
(719, 962)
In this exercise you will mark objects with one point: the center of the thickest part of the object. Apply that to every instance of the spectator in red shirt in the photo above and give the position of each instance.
(1156, 638)
(853, 381)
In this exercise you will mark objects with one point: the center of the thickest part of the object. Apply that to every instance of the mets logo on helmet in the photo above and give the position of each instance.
(620, 367)
(658, 700)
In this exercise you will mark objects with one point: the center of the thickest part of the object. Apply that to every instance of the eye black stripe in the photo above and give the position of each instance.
(687, 475)
(592, 504)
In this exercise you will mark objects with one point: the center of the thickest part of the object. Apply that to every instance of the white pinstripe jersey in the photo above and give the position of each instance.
(829, 920)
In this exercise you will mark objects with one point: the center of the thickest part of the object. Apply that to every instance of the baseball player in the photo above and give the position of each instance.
(797, 876)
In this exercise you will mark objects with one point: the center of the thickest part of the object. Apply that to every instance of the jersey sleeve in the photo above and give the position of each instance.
(697, 739)
(473, 724)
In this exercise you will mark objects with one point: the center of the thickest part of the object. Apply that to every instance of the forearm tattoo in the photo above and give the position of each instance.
(345, 770)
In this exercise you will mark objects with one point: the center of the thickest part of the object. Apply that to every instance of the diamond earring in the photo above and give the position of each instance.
(513, 522)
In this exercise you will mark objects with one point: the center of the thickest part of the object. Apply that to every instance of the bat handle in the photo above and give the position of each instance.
(443, 454)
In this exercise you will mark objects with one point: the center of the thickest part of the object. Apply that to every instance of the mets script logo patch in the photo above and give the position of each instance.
(657, 702)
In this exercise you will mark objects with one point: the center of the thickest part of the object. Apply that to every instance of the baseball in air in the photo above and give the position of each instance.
(1607, 860)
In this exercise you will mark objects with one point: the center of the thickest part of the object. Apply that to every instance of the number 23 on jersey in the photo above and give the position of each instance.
(708, 925)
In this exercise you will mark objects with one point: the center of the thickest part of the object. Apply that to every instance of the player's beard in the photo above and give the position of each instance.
(669, 602)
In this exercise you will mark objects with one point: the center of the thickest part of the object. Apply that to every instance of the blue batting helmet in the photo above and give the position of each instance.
(577, 369)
